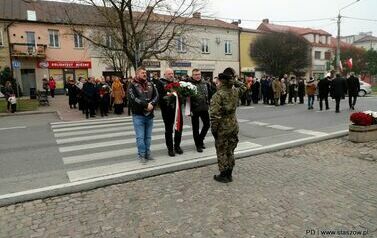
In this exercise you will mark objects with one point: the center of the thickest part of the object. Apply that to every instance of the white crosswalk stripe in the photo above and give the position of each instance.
(106, 146)
(95, 131)
(88, 173)
(279, 127)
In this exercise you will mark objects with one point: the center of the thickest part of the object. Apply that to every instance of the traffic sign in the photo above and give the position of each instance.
(16, 64)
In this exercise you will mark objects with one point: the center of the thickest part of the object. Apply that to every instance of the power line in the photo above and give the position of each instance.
(260, 20)
(361, 19)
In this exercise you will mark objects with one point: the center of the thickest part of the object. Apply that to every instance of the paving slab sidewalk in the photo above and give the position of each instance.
(327, 187)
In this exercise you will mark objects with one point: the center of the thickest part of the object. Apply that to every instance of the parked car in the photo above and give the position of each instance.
(365, 88)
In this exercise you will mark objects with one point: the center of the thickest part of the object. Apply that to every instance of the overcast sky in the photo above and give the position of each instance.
(297, 10)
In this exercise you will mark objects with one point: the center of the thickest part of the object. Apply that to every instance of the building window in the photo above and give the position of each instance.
(77, 38)
(228, 49)
(317, 55)
(327, 55)
(181, 44)
(1, 38)
(54, 38)
(108, 41)
(205, 46)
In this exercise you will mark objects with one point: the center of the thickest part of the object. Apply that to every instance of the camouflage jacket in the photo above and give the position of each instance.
(223, 108)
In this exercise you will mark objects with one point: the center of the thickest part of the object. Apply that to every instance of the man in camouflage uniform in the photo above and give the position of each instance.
(224, 125)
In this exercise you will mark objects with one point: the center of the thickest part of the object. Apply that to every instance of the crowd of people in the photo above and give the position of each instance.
(98, 96)
(279, 91)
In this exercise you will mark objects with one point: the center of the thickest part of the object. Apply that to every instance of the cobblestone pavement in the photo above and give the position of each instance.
(327, 186)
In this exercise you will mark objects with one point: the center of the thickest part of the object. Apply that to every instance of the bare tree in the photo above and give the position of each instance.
(140, 29)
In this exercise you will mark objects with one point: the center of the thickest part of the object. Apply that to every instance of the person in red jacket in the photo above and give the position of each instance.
(52, 86)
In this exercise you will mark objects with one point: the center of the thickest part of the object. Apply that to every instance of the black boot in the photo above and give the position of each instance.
(171, 153)
(222, 177)
(229, 175)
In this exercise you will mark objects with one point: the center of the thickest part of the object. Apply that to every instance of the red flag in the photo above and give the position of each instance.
(349, 63)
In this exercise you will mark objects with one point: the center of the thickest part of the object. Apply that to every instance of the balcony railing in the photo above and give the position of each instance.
(28, 50)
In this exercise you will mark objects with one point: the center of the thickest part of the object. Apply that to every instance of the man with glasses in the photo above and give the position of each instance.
(199, 109)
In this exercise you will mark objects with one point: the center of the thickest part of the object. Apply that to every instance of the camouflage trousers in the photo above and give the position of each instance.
(225, 146)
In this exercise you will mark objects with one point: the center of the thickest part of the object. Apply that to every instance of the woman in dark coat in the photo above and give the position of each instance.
(8, 91)
(72, 93)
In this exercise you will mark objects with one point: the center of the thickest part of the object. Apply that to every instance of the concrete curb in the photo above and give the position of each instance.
(32, 113)
(90, 184)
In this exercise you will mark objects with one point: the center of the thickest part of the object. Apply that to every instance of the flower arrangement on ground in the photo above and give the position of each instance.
(366, 118)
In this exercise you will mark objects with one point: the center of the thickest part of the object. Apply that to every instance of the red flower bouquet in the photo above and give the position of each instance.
(361, 119)
(174, 86)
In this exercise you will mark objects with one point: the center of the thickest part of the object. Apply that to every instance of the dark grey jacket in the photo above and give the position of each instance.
(201, 102)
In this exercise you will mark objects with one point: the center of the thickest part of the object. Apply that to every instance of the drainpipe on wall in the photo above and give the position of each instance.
(9, 49)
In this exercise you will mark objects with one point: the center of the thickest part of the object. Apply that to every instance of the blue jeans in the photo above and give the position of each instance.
(310, 101)
(143, 128)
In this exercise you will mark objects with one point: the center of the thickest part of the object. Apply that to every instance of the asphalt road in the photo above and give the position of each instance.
(35, 153)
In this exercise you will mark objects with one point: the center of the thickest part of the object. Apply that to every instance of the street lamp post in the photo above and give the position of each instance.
(338, 37)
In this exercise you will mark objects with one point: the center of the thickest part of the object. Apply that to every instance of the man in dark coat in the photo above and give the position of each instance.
(323, 91)
(353, 86)
(301, 90)
(168, 108)
(90, 93)
(338, 90)
(199, 109)
(255, 91)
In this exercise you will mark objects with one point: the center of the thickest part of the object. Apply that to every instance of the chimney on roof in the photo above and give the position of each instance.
(266, 21)
(236, 22)
(197, 15)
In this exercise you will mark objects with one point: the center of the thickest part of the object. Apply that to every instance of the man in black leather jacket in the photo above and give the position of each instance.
(143, 98)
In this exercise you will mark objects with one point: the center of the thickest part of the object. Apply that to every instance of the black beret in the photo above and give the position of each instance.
(223, 76)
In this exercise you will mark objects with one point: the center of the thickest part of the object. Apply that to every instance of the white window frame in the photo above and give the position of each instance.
(181, 44)
(1, 37)
(205, 46)
(320, 55)
(78, 41)
(228, 47)
(55, 43)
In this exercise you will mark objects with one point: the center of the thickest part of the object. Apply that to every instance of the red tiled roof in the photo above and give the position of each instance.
(55, 12)
(334, 42)
(298, 30)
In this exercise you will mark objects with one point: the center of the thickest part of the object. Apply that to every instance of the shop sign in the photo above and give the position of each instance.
(206, 67)
(151, 64)
(65, 64)
(247, 69)
(185, 64)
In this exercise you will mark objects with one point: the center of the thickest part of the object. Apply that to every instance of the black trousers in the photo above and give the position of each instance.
(104, 105)
(352, 100)
(301, 97)
(168, 117)
(337, 103)
(283, 97)
(90, 108)
(199, 136)
(292, 95)
(321, 99)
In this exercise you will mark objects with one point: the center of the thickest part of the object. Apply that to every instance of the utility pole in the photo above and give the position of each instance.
(338, 45)
(338, 40)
